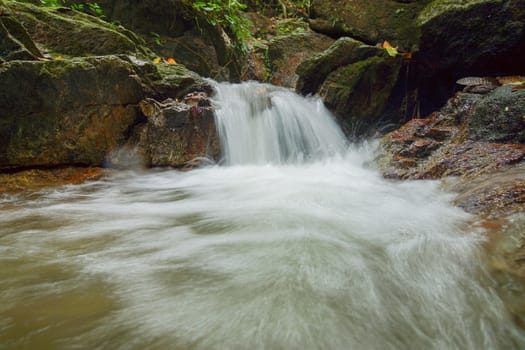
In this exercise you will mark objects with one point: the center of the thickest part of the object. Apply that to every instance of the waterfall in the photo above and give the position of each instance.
(297, 243)
(261, 123)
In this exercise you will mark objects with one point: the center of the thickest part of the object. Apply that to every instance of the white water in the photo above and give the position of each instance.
(318, 255)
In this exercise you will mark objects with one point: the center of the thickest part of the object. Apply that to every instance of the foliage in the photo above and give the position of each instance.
(92, 8)
(228, 14)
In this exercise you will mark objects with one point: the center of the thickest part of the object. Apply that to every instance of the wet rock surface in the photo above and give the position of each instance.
(462, 144)
(177, 134)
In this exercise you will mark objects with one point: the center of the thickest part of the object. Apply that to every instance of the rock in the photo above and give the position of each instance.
(499, 117)
(173, 29)
(487, 177)
(15, 43)
(74, 111)
(358, 93)
(256, 64)
(447, 40)
(286, 53)
(313, 71)
(356, 82)
(176, 134)
(63, 31)
(439, 145)
(368, 21)
(477, 35)
(65, 112)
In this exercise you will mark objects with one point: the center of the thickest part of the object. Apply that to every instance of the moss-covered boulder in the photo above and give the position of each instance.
(173, 29)
(356, 81)
(369, 21)
(358, 93)
(314, 70)
(15, 43)
(499, 117)
(286, 52)
(63, 31)
(75, 111)
(65, 112)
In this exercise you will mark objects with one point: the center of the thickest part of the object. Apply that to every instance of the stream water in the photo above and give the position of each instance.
(293, 242)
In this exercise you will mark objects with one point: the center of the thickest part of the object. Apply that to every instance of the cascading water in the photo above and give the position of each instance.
(296, 244)
(261, 124)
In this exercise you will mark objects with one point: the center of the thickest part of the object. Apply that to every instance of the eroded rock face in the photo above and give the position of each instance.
(176, 134)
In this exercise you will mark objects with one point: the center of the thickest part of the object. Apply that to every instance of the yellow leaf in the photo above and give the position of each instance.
(392, 51)
(157, 60)
(170, 60)
(59, 58)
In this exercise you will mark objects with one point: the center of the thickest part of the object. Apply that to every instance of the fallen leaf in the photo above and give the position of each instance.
(392, 51)
(157, 60)
(407, 55)
(170, 60)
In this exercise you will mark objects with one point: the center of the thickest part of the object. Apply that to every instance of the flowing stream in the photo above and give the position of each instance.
(293, 242)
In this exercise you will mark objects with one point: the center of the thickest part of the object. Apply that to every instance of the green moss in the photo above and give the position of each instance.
(438, 7)
(68, 32)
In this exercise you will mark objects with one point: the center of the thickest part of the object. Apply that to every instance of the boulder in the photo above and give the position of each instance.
(356, 81)
(285, 53)
(15, 43)
(176, 134)
(63, 31)
(65, 112)
(313, 71)
(499, 117)
(473, 36)
(75, 111)
(447, 40)
(368, 21)
(448, 142)
(173, 29)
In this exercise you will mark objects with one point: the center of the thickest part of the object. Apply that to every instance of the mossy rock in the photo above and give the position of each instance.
(63, 31)
(15, 43)
(65, 112)
(314, 70)
(499, 117)
(359, 92)
(369, 21)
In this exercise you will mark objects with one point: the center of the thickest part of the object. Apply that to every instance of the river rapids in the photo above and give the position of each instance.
(293, 241)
